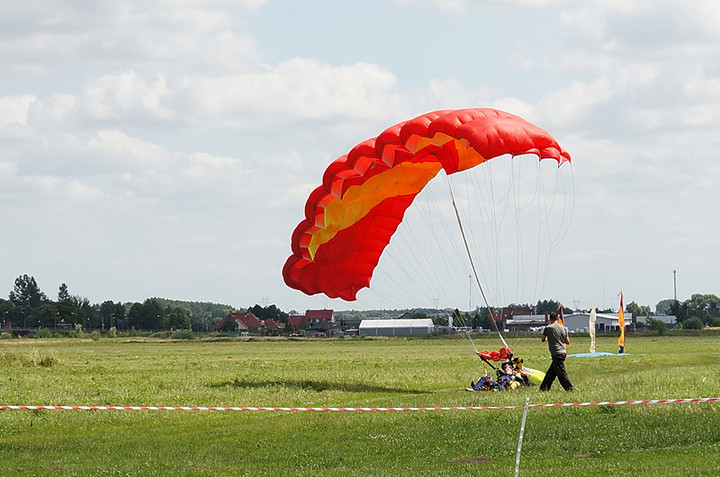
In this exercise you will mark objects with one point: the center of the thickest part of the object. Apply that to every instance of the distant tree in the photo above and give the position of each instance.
(111, 314)
(85, 313)
(483, 319)
(693, 323)
(153, 315)
(178, 318)
(679, 310)
(27, 292)
(63, 293)
(27, 299)
(7, 310)
(549, 306)
(458, 319)
(657, 325)
(229, 325)
(91, 314)
(703, 306)
(663, 307)
(271, 311)
(67, 311)
(203, 315)
(49, 315)
(136, 316)
(633, 308)
(637, 310)
(440, 320)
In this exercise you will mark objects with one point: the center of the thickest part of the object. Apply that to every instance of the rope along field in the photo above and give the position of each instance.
(351, 409)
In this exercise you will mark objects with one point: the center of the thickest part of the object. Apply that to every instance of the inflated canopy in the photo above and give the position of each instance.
(351, 217)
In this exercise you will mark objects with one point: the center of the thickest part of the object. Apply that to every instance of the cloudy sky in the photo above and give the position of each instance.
(166, 148)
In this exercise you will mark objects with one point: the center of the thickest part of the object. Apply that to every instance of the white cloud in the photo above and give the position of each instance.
(126, 95)
(216, 161)
(76, 191)
(39, 39)
(294, 195)
(7, 169)
(15, 109)
(60, 107)
(700, 86)
(462, 6)
(575, 102)
(132, 153)
(585, 255)
(299, 89)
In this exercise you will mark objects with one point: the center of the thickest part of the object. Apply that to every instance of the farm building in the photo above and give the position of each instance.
(604, 322)
(398, 327)
(241, 321)
(578, 322)
(669, 320)
(527, 322)
(274, 327)
(313, 317)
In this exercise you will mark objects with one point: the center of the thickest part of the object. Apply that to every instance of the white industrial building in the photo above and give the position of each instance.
(604, 322)
(669, 320)
(578, 322)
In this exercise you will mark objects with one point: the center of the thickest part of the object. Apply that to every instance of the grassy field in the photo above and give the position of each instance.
(639, 440)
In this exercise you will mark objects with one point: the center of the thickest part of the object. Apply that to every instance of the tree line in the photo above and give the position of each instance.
(29, 307)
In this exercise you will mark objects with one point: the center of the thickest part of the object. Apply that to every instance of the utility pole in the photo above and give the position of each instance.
(675, 284)
(470, 287)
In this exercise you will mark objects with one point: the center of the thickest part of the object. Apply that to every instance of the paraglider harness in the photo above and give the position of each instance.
(503, 381)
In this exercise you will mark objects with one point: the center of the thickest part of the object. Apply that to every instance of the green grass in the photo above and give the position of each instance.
(644, 440)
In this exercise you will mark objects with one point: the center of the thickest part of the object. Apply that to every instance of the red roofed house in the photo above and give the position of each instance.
(509, 312)
(245, 320)
(297, 320)
(312, 317)
(274, 327)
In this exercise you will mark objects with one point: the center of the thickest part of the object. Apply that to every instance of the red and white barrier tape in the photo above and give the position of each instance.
(357, 409)
(620, 403)
(199, 408)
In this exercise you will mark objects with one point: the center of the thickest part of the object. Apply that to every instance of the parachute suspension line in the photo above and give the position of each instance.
(565, 220)
(409, 250)
(468, 339)
(545, 209)
(539, 197)
(472, 265)
(543, 218)
(519, 251)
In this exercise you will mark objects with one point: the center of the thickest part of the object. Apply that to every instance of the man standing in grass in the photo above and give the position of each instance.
(557, 337)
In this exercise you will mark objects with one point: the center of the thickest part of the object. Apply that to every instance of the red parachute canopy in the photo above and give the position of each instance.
(351, 217)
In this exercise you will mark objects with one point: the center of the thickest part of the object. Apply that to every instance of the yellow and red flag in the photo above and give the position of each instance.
(561, 314)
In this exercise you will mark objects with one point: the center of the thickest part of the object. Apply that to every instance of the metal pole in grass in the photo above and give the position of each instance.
(522, 431)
